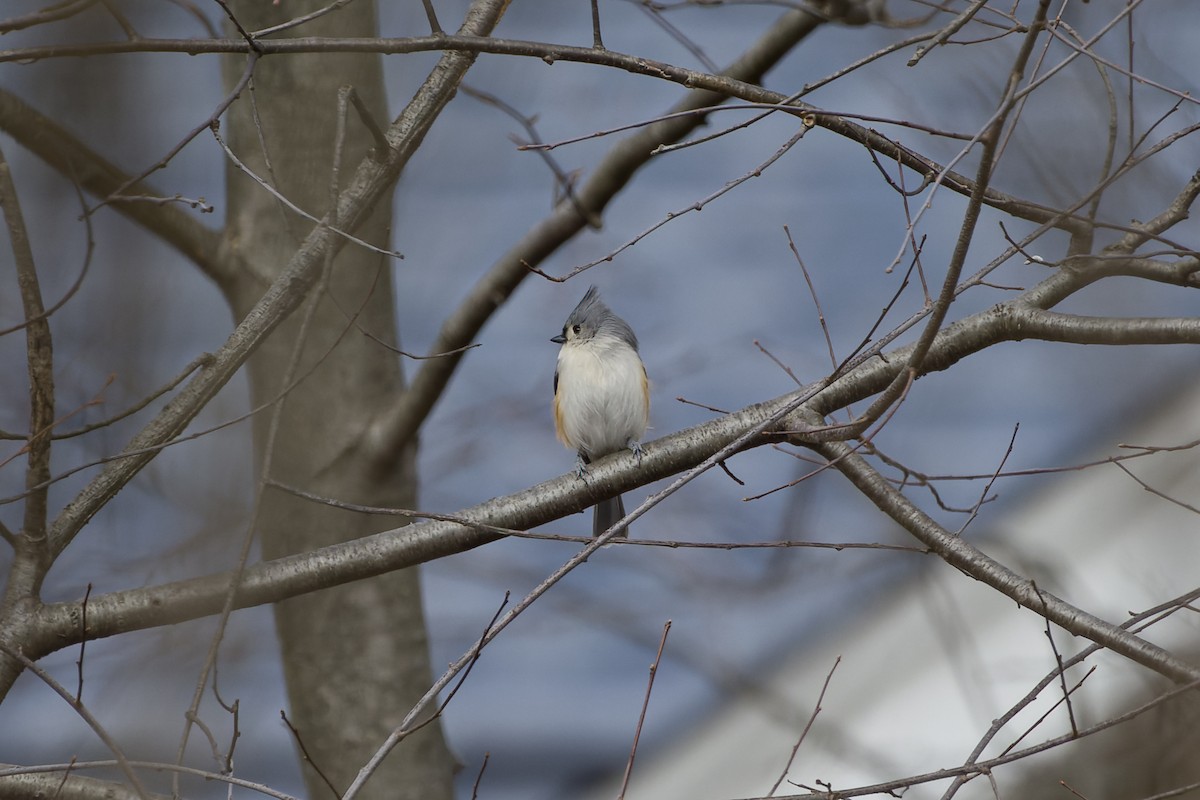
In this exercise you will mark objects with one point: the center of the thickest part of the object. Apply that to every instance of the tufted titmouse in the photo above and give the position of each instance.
(601, 394)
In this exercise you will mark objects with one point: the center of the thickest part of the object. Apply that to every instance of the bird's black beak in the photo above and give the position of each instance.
(560, 339)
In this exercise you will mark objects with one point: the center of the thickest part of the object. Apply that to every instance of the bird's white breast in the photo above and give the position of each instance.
(602, 395)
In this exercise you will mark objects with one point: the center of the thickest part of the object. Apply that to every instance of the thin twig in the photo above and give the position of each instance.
(917, 246)
(945, 33)
(365, 116)
(1136, 623)
(53, 13)
(698, 205)
(89, 249)
(208, 734)
(116, 194)
(66, 154)
(264, 150)
(247, 37)
(895, 787)
(987, 487)
(786, 105)
(1153, 491)
(287, 379)
(300, 20)
(1072, 790)
(237, 162)
(679, 36)
(812, 293)
(462, 678)
(196, 363)
(786, 369)
(1065, 698)
(637, 734)
(46, 432)
(959, 553)
(85, 715)
(937, 314)
(1062, 672)
(563, 181)
(123, 21)
(306, 756)
(807, 727)
(486, 756)
(461, 668)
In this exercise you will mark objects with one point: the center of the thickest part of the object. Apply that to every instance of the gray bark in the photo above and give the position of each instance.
(356, 656)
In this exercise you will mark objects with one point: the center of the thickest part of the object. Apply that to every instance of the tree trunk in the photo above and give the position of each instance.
(355, 657)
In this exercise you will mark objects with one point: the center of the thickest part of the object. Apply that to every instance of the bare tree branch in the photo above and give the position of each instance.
(60, 149)
(724, 85)
(86, 715)
(959, 553)
(985, 767)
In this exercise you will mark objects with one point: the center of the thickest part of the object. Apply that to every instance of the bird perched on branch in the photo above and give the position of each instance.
(601, 393)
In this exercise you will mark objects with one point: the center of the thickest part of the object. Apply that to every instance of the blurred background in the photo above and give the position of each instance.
(554, 701)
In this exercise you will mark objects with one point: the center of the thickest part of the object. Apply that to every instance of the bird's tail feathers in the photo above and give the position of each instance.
(606, 515)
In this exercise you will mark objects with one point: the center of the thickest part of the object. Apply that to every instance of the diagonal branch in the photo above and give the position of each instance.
(59, 148)
(87, 716)
(1179, 210)
(958, 553)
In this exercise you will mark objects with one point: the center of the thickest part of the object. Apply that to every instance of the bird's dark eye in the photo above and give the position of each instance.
(575, 329)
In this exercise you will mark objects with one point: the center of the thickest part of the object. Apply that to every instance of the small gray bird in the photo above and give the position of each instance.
(601, 393)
